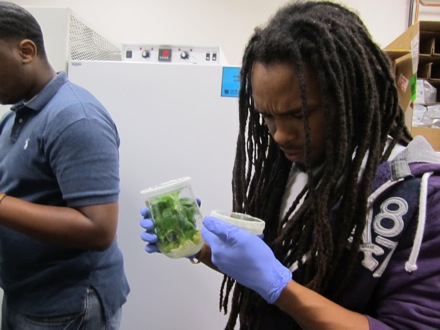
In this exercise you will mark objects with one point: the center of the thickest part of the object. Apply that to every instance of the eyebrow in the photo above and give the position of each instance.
(286, 111)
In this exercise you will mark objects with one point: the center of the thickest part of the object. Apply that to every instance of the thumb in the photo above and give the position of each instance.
(223, 230)
(210, 238)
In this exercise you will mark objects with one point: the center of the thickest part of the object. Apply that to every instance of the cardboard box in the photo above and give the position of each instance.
(422, 38)
(430, 134)
(416, 54)
(405, 80)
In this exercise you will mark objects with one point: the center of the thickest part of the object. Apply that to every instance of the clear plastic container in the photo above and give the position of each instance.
(244, 221)
(177, 217)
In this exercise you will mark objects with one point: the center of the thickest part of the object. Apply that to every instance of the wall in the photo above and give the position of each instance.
(225, 23)
(429, 13)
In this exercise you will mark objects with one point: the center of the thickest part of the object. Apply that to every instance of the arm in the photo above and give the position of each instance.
(313, 311)
(403, 299)
(76, 171)
(247, 259)
(309, 309)
(89, 227)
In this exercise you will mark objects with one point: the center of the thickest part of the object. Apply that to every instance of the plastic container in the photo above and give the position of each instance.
(244, 221)
(177, 218)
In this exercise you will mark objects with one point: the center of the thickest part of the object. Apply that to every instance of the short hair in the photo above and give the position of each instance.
(16, 23)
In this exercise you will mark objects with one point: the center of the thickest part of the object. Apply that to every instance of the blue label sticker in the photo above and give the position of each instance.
(230, 81)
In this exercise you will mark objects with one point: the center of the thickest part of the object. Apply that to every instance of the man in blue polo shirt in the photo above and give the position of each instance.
(60, 265)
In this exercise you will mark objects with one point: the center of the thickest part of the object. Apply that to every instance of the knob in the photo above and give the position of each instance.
(184, 55)
(145, 53)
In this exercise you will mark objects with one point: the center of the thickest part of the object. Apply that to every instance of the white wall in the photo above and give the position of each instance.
(224, 23)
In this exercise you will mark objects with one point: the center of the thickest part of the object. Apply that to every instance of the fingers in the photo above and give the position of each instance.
(147, 224)
(151, 248)
(145, 212)
(149, 237)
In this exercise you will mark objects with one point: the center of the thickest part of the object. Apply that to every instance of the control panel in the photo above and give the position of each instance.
(171, 54)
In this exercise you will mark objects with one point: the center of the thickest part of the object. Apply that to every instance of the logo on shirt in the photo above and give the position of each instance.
(26, 143)
(380, 232)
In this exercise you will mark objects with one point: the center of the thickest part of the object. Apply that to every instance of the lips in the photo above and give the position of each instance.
(294, 155)
(292, 151)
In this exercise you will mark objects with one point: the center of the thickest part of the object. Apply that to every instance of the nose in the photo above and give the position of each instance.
(284, 132)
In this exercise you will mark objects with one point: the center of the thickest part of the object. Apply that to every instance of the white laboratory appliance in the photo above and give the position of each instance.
(173, 122)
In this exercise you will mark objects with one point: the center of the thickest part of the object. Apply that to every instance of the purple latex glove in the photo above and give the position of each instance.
(148, 235)
(246, 258)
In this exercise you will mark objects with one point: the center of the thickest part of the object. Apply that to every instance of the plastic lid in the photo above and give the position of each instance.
(166, 187)
(244, 221)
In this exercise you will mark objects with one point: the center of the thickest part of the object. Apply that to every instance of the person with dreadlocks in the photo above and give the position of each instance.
(351, 201)
(60, 264)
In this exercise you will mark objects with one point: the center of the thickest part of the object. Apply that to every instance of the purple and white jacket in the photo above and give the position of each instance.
(397, 283)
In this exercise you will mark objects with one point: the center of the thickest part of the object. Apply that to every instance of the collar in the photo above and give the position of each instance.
(40, 100)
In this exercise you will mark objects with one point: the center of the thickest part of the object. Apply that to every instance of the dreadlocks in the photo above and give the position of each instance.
(355, 77)
(17, 24)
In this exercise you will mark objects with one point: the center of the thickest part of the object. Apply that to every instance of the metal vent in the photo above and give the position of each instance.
(86, 44)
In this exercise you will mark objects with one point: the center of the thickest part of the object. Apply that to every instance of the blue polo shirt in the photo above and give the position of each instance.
(60, 148)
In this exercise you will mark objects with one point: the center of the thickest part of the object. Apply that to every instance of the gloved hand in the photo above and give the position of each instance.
(149, 235)
(246, 258)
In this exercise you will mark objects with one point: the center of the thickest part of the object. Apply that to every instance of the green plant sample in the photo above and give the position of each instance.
(175, 223)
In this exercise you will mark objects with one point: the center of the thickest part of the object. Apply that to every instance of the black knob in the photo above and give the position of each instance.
(145, 53)
(184, 55)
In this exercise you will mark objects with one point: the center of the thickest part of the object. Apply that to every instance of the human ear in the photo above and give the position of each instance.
(28, 50)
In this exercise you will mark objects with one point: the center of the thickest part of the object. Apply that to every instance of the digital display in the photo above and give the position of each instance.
(164, 55)
(230, 81)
